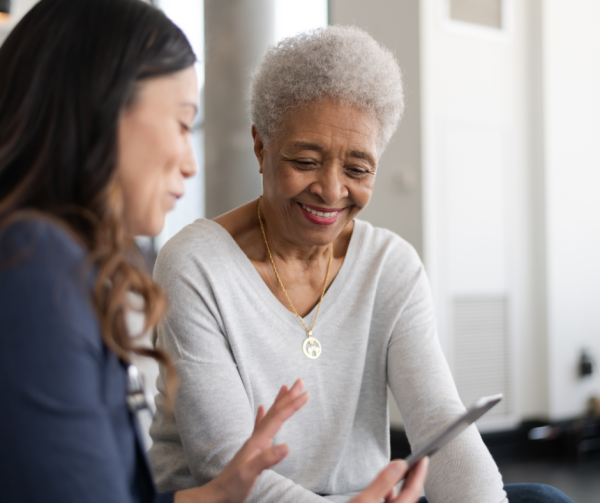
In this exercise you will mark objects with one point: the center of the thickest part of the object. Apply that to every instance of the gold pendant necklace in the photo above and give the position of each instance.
(311, 346)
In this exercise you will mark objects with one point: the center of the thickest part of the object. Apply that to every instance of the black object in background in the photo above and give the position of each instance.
(586, 364)
(5, 6)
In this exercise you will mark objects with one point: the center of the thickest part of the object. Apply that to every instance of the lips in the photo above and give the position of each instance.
(320, 216)
(172, 198)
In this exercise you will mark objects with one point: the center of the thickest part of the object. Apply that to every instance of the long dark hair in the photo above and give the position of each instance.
(69, 69)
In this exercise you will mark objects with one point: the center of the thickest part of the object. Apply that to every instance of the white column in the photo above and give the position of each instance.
(397, 200)
(237, 33)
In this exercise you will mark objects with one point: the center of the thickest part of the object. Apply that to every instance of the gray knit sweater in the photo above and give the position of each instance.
(234, 344)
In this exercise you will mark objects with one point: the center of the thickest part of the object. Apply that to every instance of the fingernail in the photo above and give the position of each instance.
(398, 467)
(281, 450)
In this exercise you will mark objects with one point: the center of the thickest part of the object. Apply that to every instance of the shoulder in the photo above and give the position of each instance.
(38, 240)
(198, 252)
(45, 284)
(394, 267)
(386, 247)
(201, 241)
(199, 236)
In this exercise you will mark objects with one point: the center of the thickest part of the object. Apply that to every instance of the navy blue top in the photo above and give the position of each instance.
(66, 434)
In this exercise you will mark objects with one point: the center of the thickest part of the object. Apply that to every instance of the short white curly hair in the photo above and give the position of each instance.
(343, 63)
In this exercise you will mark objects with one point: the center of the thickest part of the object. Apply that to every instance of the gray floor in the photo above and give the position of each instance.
(580, 481)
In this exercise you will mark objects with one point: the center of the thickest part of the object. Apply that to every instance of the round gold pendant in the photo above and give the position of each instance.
(311, 348)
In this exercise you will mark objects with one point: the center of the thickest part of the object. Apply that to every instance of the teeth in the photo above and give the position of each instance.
(320, 213)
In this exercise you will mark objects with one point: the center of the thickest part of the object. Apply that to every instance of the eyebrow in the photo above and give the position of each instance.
(363, 155)
(358, 154)
(190, 104)
(303, 145)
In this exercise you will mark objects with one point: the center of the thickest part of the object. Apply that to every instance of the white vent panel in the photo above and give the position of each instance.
(480, 353)
(480, 12)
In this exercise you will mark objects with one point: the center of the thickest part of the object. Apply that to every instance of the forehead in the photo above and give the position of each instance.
(179, 89)
(333, 126)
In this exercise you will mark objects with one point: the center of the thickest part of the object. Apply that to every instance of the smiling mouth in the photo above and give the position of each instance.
(322, 214)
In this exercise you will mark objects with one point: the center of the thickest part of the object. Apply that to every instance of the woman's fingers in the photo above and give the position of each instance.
(390, 496)
(237, 479)
(411, 489)
(268, 424)
(285, 394)
(260, 414)
(273, 421)
(282, 391)
(266, 459)
(383, 483)
(282, 409)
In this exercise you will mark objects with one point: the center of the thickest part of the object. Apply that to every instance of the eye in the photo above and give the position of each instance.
(357, 172)
(305, 164)
(185, 128)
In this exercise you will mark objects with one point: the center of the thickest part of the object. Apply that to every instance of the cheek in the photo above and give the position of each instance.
(292, 182)
(362, 190)
(282, 181)
(144, 174)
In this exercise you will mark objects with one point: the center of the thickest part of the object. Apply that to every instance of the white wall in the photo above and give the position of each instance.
(476, 135)
(189, 16)
(571, 75)
(18, 10)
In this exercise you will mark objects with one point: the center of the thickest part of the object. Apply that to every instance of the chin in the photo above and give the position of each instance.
(151, 229)
(322, 237)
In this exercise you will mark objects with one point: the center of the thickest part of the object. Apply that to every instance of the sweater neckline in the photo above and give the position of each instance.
(331, 295)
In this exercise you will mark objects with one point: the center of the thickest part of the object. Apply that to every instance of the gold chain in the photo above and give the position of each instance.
(309, 330)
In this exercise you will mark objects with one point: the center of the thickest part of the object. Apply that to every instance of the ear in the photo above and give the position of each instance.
(259, 148)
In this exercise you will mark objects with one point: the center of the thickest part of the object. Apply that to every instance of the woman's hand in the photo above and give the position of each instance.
(234, 483)
(383, 487)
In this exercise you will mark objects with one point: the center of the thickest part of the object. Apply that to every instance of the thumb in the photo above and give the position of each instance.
(383, 483)
(266, 459)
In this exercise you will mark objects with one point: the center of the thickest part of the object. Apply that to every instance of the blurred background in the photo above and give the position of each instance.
(493, 176)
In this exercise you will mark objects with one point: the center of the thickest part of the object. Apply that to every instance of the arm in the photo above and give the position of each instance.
(234, 483)
(56, 438)
(213, 414)
(422, 385)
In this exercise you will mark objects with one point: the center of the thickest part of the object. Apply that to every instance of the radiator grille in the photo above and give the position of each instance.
(480, 350)
(482, 12)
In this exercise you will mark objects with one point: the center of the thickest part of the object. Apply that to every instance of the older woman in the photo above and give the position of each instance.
(292, 284)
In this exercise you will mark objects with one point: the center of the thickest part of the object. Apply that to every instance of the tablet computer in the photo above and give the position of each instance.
(478, 409)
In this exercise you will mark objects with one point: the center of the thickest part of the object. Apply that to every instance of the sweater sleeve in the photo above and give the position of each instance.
(212, 413)
(420, 380)
(56, 439)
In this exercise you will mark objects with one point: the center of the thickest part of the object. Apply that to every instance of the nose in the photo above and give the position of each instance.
(188, 166)
(330, 184)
